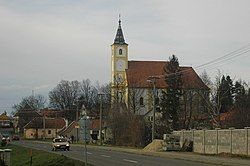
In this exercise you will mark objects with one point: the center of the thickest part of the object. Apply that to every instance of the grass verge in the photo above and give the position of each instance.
(20, 156)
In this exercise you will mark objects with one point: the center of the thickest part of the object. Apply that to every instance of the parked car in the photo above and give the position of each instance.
(60, 143)
(15, 138)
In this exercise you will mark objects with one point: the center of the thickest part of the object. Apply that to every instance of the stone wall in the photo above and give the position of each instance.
(224, 141)
(233, 141)
(210, 141)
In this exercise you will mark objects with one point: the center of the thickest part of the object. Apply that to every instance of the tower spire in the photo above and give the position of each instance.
(119, 38)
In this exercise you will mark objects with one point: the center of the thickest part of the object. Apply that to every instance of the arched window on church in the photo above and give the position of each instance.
(157, 104)
(157, 101)
(141, 101)
(120, 51)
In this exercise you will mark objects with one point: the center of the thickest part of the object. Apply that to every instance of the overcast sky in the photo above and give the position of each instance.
(45, 41)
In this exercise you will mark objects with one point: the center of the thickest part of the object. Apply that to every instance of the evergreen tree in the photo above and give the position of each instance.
(229, 92)
(171, 96)
(248, 99)
(240, 94)
(225, 94)
(241, 109)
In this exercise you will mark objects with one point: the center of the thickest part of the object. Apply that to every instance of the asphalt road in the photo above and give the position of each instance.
(102, 157)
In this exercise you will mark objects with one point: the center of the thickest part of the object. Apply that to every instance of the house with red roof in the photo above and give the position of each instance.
(43, 127)
(24, 116)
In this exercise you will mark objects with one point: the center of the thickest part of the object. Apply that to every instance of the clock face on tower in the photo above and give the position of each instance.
(120, 65)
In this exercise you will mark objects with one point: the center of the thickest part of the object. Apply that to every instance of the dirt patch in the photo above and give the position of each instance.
(155, 146)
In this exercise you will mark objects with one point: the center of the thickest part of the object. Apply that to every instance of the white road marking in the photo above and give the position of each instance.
(89, 153)
(104, 155)
(131, 161)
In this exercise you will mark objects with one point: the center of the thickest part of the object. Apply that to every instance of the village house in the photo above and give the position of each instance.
(73, 129)
(24, 116)
(6, 124)
(5, 121)
(41, 127)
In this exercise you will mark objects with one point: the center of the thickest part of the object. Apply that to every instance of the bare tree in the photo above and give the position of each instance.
(126, 128)
(206, 78)
(194, 112)
(214, 105)
(88, 94)
(64, 95)
(211, 101)
(106, 89)
(33, 102)
(70, 95)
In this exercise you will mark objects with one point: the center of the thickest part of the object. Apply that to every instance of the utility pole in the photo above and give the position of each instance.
(56, 124)
(152, 79)
(85, 138)
(43, 126)
(76, 103)
(84, 117)
(77, 118)
(100, 130)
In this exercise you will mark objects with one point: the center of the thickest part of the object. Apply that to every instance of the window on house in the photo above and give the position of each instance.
(120, 51)
(49, 131)
(141, 101)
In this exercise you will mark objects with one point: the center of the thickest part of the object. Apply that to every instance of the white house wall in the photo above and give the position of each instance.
(142, 110)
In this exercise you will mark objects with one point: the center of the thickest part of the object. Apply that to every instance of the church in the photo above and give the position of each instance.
(131, 82)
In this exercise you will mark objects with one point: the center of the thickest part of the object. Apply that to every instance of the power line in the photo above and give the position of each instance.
(229, 56)
(225, 56)
(227, 59)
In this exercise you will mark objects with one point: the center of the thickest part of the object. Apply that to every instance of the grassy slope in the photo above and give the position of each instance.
(20, 156)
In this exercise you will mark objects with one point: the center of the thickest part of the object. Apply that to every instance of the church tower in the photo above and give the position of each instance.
(119, 63)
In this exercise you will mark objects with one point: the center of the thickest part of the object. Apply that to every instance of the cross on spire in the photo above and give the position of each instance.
(119, 20)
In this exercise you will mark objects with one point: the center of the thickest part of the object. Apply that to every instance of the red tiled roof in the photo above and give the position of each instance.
(49, 112)
(27, 113)
(50, 123)
(226, 116)
(138, 73)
